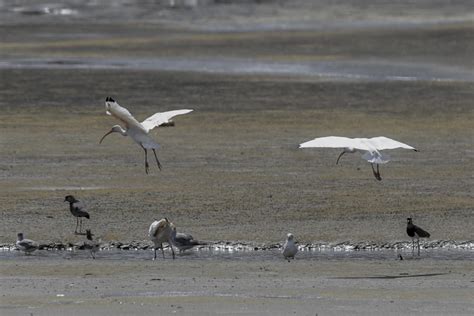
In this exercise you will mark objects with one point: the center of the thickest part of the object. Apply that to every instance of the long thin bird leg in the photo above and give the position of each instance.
(413, 247)
(171, 246)
(156, 157)
(376, 173)
(80, 225)
(154, 258)
(77, 224)
(146, 160)
(418, 241)
(162, 251)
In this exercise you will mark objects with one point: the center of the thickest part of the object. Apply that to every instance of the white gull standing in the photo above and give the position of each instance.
(289, 248)
(183, 241)
(26, 245)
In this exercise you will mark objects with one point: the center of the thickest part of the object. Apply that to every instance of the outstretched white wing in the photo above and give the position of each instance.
(162, 117)
(337, 142)
(382, 143)
(122, 114)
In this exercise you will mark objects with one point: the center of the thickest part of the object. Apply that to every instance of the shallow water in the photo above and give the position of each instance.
(207, 254)
(378, 70)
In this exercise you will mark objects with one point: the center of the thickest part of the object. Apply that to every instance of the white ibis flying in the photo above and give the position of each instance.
(136, 130)
(26, 245)
(370, 147)
(289, 248)
(160, 232)
(415, 232)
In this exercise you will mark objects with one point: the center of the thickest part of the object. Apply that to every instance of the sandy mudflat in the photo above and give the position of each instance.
(261, 80)
(82, 286)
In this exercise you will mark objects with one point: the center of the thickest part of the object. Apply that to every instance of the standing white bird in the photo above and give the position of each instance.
(370, 147)
(136, 130)
(26, 245)
(289, 248)
(160, 232)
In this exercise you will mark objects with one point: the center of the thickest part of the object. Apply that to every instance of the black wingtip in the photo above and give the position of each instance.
(109, 99)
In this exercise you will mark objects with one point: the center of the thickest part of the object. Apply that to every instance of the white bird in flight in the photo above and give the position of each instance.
(370, 147)
(136, 130)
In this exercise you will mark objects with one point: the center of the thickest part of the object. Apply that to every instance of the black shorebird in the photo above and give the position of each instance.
(77, 210)
(26, 245)
(415, 232)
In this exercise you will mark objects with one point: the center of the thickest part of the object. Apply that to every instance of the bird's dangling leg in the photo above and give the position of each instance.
(376, 173)
(156, 157)
(171, 246)
(162, 251)
(146, 160)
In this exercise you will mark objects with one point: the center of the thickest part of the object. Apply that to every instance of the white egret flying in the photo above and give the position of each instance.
(370, 147)
(136, 130)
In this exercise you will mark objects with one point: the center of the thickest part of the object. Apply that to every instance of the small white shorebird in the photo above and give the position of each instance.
(91, 244)
(370, 147)
(183, 241)
(289, 248)
(160, 232)
(26, 245)
(136, 130)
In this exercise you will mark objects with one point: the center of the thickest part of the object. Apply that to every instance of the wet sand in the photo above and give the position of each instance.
(269, 286)
(231, 169)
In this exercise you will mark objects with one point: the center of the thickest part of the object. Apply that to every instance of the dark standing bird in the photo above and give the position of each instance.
(415, 232)
(183, 241)
(77, 209)
(91, 244)
(26, 245)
